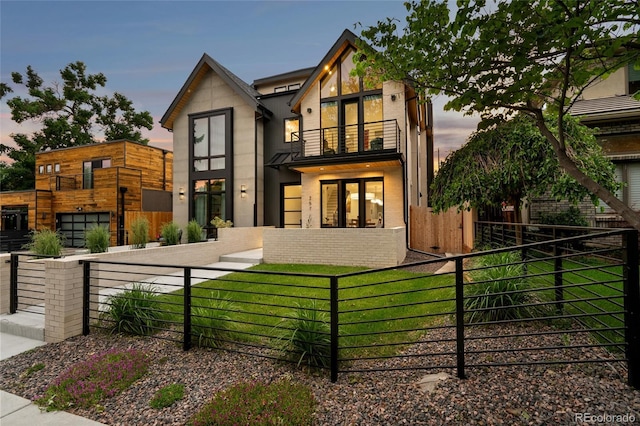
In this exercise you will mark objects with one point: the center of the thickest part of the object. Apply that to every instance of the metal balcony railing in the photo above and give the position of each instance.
(362, 138)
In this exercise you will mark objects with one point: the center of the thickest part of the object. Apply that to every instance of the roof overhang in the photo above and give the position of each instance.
(206, 64)
(347, 164)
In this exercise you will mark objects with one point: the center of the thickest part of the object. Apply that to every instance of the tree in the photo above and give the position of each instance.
(512, 161)
(71, 114)
(501, 58)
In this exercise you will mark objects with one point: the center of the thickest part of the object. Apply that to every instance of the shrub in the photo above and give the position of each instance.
(278, 403)
(45, 243)
(171, 233)
(220, 223)
(134, 311)
(306, 336)
(499, 294)
(210, 322)
(101, 376)
(194, 232)
(167, 396)
(570, 217)
(97, 238)
(139, 232)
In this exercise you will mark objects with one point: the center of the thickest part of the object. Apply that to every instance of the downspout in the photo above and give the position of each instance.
(255, 169)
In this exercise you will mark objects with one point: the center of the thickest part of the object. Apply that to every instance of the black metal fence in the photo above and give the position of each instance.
(26, 283)
(568, 300)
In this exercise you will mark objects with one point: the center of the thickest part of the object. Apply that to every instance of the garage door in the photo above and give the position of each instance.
(73, 225)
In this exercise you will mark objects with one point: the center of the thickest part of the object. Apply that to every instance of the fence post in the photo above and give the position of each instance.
(13, 284)
(632, 306)
(86, 293)
(334, 328)
(460, 318)
(186, 340)
(557, 277)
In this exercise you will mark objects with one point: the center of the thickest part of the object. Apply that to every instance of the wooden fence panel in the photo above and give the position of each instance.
(436, 233)
(156, 220)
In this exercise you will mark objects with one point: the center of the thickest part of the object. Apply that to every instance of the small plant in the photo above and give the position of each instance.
(34, 368)
(139, 232)
(278, 403)
(210, 322)
(167, 396)
(306, 336)
(134, 311)
(45, 243)
(87, 383)
(194, 232)
(501, 289)
(171, 233)
(97, 239)
(220, 223)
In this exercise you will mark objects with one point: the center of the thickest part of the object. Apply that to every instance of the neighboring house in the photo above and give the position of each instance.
(108, 183)
(609, 107)
(312, 148)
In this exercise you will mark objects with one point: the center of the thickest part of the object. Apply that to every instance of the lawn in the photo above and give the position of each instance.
(592, 289)
(380, 312)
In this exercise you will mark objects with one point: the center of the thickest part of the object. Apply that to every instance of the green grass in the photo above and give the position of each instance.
(587, 278)
(262, 301)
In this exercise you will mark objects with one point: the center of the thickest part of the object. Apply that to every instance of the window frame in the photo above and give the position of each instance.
(225, 173)
(341, 207)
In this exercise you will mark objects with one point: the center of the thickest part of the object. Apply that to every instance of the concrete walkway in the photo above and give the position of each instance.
(24, 331)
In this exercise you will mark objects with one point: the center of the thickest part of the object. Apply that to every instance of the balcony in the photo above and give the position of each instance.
(344, 141)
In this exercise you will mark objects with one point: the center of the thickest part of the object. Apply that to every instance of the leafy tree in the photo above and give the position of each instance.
(500, 58)
(512, 161)
(71, 114)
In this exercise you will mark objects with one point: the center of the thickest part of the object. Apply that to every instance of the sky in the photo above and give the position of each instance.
(147, 49)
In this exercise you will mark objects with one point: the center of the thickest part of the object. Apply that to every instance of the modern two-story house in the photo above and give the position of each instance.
(311, 148)
(109, 184)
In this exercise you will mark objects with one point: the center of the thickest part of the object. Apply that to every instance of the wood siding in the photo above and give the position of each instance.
(132, 166)
(436, 233)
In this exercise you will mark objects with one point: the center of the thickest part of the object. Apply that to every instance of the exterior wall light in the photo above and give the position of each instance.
(309, 110)
(181, 193)
(243, 191)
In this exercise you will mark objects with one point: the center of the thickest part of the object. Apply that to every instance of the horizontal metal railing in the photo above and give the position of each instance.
(550, 302)
(364, 138)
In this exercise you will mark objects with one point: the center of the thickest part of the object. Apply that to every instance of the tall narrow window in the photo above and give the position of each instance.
(87, 170)
(291, 129)
(330, 214)
(209, 201)
(634, 79)
(211, 174)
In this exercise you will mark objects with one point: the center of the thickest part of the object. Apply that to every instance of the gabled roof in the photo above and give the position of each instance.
(206, 63)
(615, 107)
(346, 39)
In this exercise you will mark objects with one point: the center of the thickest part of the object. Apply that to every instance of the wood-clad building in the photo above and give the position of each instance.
(104, 183)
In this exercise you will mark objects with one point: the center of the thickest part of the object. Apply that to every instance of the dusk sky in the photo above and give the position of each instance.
(147, 49)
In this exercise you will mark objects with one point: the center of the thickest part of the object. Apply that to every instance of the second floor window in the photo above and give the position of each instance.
(350, 111)
(634, 79)
(291, 129)
(87, 170)
(211, 136)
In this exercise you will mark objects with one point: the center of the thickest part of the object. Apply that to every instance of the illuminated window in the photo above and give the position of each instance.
(291, 129)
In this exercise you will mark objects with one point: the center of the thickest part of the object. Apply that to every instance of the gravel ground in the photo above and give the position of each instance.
(522, 395)
(538, 395)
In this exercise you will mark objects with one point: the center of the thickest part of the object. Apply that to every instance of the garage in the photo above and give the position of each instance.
(73, 225)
